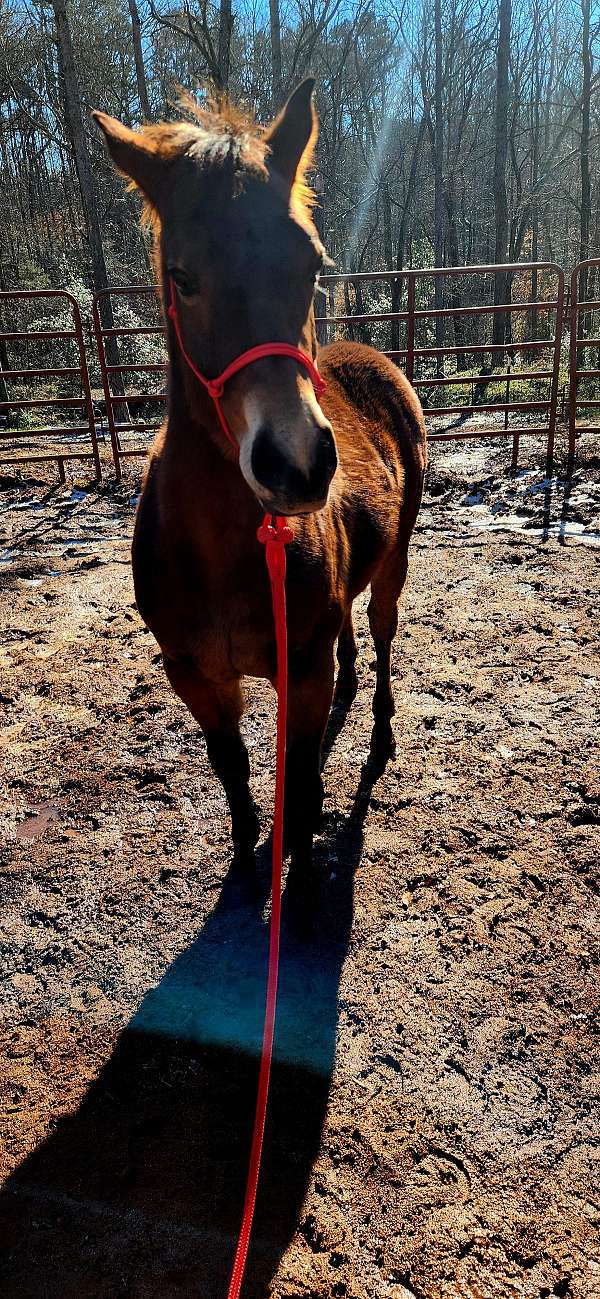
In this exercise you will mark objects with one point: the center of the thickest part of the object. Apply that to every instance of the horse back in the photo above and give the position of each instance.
(377, 416)
(381, 442)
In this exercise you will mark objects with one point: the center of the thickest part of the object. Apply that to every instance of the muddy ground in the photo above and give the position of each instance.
(434, 1124)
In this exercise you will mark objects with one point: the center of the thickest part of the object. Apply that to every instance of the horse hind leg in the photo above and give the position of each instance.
(218, 710)
(383, 621)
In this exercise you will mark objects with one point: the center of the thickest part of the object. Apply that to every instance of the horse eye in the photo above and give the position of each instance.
(184, 283)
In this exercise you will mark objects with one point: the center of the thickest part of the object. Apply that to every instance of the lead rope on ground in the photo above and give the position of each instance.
(274, 536)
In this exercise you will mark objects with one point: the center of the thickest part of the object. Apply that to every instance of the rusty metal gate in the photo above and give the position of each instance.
(426, 353)
(584, 318)
(138, 314)
(76, 441)
(475, 381)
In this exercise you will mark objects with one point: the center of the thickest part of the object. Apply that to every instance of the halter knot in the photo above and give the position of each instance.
(280, 531)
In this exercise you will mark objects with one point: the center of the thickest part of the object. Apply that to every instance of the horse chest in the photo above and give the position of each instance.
(226, 629)
(234, 646)
(214, 607)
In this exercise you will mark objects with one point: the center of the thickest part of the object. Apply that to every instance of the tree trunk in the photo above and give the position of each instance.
(397, 285)
(388, 245)
(536, 95)
(500, 157)
(76, 132)
(276, 78)
(364, 330)
(458, 321)
(4, 363)
(85, 176)
(438, 164)
(224, 52)
(584, 151)
(140, 71)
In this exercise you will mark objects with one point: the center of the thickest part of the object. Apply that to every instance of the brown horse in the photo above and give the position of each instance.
(231, 212)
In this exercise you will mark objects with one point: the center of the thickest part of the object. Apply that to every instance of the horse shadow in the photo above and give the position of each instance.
(140, 1192)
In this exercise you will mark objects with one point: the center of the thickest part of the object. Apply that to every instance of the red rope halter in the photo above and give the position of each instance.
(274, 534)
(215, 387)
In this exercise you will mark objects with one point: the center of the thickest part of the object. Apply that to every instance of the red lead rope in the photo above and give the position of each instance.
(275, 539)
(275, 534)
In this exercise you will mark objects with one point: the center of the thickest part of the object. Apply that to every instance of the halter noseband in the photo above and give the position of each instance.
(215, 387)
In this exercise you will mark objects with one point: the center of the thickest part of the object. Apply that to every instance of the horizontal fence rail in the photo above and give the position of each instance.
(484, 371)
(76, 441)
(426, 324)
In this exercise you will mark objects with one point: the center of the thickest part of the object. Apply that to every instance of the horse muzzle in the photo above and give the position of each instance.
(289, 479)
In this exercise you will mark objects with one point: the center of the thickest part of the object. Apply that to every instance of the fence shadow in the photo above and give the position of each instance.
(139, 1193)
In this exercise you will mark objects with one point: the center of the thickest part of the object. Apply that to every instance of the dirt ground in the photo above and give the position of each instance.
(433, 1131)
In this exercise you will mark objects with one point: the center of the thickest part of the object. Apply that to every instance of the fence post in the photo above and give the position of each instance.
(110, 415)
(410, 328)
(574, 318)
(85, 379)
(558, 332)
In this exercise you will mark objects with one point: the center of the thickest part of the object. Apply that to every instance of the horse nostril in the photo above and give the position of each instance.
(332, 456)
(269, 466)
(325, 462)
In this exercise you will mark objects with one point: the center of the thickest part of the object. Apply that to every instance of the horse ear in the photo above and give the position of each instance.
(131, 153)
(292, 136)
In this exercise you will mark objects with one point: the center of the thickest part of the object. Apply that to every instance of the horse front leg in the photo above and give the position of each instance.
(310, 693)
(218, 709)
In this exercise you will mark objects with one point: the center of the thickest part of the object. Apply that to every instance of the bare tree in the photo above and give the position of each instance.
(276, 70)
(197, 27)
(500, 159)
(438, 172)
(585, 209)
(77, 139)
(140, 71)
(224, 43)
(451, 130)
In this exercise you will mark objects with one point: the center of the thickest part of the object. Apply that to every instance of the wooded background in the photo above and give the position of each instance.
(452, 131)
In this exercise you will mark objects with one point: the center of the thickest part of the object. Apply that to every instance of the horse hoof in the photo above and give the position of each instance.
(241, 883)
(302, 898)
(345, 689)
(301, 920)
(383, 745)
